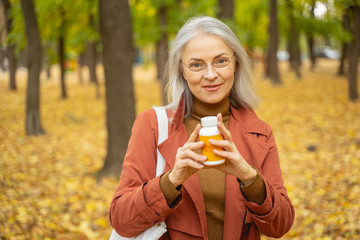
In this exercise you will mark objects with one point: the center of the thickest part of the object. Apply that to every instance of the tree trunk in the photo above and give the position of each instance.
(272, 62)
(32, 121)
(310, 39)
(293, 40)
(62, 65)
(92, 66)
(311, 52)
(2, 57)
(46, 62)
(116, 37)
(226, 9)
(12, 66)
(10, 51)
(345, 46)
(344, 51)
(48, 71)
(61, 42)
(353, 53)
(80, 64)
(162, 53)
(91, 52)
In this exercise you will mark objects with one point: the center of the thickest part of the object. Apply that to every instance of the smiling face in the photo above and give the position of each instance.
(213, 83)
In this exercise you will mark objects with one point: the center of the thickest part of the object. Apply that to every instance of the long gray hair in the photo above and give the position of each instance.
(242, 92)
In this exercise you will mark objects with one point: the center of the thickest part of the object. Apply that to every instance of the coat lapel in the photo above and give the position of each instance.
(245, 128)
(168, 149)
(234, 212)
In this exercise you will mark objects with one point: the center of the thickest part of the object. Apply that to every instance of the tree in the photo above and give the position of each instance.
(91, 50)
(354, 51)
(310, 37)
(32, 121)
(272, 66)
(10, 50)
(293, 40)
(345, 45)
(68, 28)
(162, 51)
(226, 9)
(162, 19)
(253, 21)
(54, 23)
(92, 43)
(116, 38)
(61, 50)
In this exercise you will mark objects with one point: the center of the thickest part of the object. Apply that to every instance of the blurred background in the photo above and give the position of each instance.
(74, 75)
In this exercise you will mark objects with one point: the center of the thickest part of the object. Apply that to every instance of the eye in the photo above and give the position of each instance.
(197, 66)
(221, 62)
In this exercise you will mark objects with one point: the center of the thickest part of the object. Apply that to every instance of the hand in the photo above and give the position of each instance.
(234, 164)
(187, 161)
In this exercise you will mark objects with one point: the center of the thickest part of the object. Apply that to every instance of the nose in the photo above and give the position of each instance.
(210, 72)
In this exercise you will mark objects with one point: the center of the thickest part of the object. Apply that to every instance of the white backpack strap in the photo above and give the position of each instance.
(162, 120)
(156, 231)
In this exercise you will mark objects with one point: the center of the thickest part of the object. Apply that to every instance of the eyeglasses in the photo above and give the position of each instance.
(200, 65)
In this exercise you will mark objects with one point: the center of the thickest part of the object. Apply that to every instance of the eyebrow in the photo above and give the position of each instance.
(198, 59)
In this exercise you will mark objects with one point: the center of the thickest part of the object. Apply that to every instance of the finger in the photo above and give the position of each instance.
(219, 117)
(195, 134)
(194, 164)
(193, 145)
(189, 154)
(221, 126)
(223, 154)
(187, 162)
(222, 144)
(232, 156)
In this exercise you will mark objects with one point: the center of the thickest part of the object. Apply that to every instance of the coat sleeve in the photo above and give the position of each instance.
(139, 202)
(275, 216)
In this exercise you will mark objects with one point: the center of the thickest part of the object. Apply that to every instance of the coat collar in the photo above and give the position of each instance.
(246, 116)
(248, 120)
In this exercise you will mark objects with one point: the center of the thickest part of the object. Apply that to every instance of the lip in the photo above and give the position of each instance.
(212, 87)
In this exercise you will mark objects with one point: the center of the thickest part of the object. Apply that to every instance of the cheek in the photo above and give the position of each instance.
(192, 79)
(229, 76)
(234, 68)
(232, 74)
(229, 80)
(192, 83)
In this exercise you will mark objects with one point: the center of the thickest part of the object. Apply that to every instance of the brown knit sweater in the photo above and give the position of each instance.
(212, 181)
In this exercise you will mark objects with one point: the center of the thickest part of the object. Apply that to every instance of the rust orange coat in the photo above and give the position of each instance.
(139, 202)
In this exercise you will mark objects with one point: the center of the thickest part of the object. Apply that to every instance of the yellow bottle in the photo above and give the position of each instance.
(208, 131)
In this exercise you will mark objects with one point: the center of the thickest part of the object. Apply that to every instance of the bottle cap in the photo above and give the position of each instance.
(209, 121)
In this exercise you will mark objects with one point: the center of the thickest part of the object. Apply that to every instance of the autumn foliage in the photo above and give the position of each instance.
(48, 188)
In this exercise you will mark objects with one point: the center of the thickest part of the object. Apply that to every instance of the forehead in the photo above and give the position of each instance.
(205, 46)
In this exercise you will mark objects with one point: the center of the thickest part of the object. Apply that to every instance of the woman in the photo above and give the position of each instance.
(209, 74)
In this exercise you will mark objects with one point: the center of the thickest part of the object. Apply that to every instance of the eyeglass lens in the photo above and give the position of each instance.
(220, 62)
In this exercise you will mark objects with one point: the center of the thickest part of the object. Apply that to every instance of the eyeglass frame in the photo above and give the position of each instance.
(206, 65)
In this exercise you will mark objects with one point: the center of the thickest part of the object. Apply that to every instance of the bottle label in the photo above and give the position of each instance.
(207, 150)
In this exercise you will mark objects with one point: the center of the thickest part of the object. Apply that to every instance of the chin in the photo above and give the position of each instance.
(212, 100)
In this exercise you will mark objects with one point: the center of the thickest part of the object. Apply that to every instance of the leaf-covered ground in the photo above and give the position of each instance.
(47, 184)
